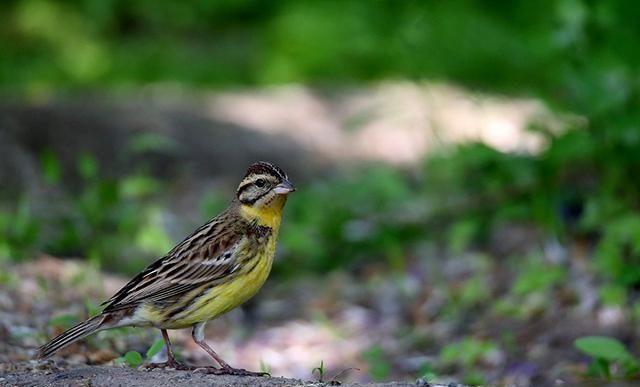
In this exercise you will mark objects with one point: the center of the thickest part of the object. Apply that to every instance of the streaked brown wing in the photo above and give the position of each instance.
(205, 257)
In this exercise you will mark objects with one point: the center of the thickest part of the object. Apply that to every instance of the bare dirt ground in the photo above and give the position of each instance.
(63, 374)
(290, 333)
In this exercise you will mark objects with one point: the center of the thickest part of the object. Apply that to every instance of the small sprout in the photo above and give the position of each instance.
(264, 367)
(320, 370)
(426, 374)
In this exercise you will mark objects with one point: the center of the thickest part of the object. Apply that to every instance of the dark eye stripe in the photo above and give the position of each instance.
(252, 180)
(242, 188)
(253, 199)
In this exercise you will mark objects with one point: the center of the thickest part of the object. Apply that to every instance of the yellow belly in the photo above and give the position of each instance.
(218, 300)
(221, 299)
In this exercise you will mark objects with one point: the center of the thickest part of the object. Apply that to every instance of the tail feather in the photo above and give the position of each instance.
(71, 335)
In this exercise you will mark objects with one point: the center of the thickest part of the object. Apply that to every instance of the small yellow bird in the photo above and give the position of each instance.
(218, 267)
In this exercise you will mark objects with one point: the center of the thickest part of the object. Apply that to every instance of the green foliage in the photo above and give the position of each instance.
(426, 373)
(606, 351)
(107, 220)
(19, 231)
(602, 347)
(467, 352)
(51, 169)
(355, 223)
(537, 276)
(612, 294)
(618, 254)
(135, 359)
(523, 45)
(577, 187)
(578, 57)
(378, 366)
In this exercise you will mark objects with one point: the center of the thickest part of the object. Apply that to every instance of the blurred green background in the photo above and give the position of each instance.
(579, 193)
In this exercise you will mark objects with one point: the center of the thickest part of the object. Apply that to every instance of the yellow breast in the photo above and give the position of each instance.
(227, 296)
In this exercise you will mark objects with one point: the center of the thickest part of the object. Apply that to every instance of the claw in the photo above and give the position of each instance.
(169, 364)
(230, 371)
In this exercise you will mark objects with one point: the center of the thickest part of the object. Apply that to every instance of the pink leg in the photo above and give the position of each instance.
(171, 360)
(226, 369)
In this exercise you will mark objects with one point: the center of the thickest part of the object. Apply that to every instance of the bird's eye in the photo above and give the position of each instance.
(260, 182)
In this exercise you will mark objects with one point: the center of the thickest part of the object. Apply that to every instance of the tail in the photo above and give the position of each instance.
(69, 336)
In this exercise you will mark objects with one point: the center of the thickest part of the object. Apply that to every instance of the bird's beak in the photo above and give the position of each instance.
(284, 188)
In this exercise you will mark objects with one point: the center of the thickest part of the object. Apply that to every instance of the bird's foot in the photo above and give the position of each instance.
(170, 364)
(229, 371)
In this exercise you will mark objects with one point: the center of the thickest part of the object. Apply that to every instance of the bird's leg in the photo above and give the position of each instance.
(171, 360)
(226, 369)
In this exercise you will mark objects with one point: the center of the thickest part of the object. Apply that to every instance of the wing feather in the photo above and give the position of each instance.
(207, 256)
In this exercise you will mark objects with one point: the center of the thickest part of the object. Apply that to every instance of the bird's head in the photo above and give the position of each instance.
(263, 191)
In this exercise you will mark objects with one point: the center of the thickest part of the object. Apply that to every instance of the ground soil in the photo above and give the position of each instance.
(60, 374)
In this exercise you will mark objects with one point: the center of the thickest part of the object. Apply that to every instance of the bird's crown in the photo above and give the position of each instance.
(263, 167)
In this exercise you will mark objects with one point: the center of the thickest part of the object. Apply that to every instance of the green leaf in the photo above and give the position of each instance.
(320, 370)
(602, 347)
(139, 186)
(87, 166)
(155, 348)
(133, 358)
(50, 167)
(599, 368)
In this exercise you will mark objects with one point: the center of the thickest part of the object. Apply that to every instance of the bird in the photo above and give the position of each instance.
(219, 266)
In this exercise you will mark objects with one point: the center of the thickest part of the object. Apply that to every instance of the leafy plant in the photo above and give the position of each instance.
(605, 352)
(106, 220)
(135, 359)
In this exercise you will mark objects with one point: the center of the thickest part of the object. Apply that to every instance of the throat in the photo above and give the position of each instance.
(268, 216)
